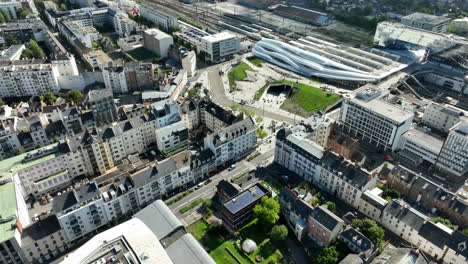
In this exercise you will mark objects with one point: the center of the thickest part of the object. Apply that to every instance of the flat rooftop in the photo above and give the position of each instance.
(425, 138)
(426, 18)
(10, 166)
(219, 36)
(385, 109)
(244, 199)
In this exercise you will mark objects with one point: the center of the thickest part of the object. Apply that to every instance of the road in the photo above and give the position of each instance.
(219, 96)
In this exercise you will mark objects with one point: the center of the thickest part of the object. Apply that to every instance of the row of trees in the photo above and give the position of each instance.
(72, 97)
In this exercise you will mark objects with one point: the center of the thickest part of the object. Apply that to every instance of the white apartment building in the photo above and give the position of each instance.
(427, 22)
(170, 137)
(115, 79)
(123, 25)
(13, 52)
(442, 117)
(10, 7)
(98, 59)
(233, 142)
(166, 112)
(460, 25)
(319, 128)
(299, 154)
(219, 46)
(368, 117)
(372, 204)
(157, 42)
(419, 146)
(454, 154)
(158, 17)
(345, 180)
(189, 62)
(73, 30)
(28, 79)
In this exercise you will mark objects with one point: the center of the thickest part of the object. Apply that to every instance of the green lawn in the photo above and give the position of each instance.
(238, 74)
(308, 99)
(255, 61)
(216, 244)
(140, 54)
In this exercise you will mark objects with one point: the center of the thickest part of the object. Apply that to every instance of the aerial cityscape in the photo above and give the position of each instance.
(234, 131)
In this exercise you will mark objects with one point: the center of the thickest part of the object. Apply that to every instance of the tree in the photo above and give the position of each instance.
(37, 51)
(443, 221)
(267, 211)
(2, 103)
(63, 7)
(6, 16)
(279, 232)
(370, 229)
(465, 231)
(74, 96)
(2, 18)
(331, 206)
(327, 255)
(22, 13)
(27, 54)
(50, 98)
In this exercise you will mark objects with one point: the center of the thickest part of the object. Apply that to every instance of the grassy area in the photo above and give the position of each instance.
(179, 197)
(253, 156)
(216, 244)
(238, 74)
(260, 91)
(140, 54)
(255, 61)
(191, 206)
(306, 99)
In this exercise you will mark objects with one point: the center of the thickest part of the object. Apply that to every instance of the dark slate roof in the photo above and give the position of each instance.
(220, 113)
(64, 201)
(287, 195)
(357, 239)
(245, 198)
(41, 229)
(459, 243)
(406, 214)
(55, 129)
(228, 188)
(326, 218)
(356, 176)
(302, 208)
(88, 191)
(152, 173)
(434, 234)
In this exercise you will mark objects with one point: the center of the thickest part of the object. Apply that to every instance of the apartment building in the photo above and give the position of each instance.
(43, 240)
(427, 22)
(101, 103)
(215, 117)
(442, 117)
(233, 142)
(189, 61)
(344, 179)
(296, 211)
(323, 226)
(30, 78)
(75, 31)
(219, 46)
(172, 137)
(158, 17)
(453, 156)
(166, 112)
(368, 117)
(115, 79)
(298, 153)
(139, 75)
(357, 242)
(372, 204)
(157, 42)
(123, 25)
(457, 249)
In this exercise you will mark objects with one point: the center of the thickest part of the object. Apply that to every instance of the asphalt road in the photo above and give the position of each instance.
(219, 96)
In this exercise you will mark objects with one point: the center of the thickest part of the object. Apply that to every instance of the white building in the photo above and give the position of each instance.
(189, 62)
(419, 146)
(75, 31)
(457, 249)
(28, 79)
(460, 25)
(157, 42)
(115, 79)
(426, 22)
(172, 136)
(158, 17)
(123, 25)
(166, 112)
(233, 142)
(454, 154)
(10, 7)
(13, 52)
(299, 154)
(154, 235)
(368, 117)
(219, 46)
(442, 117)
(98, 59)
(372, 204)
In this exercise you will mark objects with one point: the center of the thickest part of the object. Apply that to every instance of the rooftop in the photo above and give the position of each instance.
(245, 198)
(355, 237)
(326, 218)
(156, 33)
(225, 35)
(425, 139)
(426, 18)
(7, 209)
